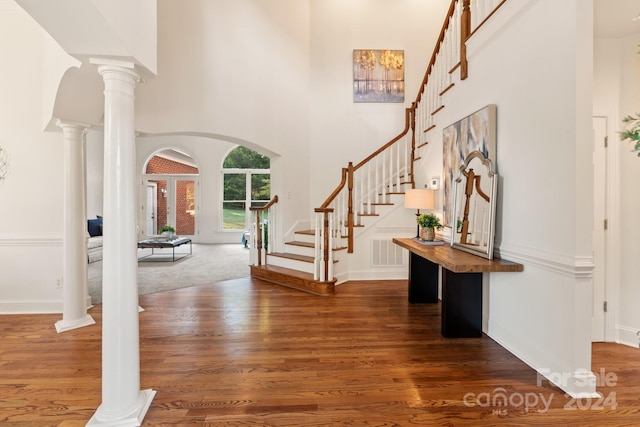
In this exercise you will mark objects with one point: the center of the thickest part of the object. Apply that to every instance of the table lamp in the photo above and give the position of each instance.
(417, 198)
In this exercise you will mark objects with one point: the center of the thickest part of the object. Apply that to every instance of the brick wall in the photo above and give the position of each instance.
(162, 165)
(185, 194)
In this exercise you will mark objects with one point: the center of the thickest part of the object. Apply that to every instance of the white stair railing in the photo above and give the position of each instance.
(480, 11)
(439, 76)
(367, 185)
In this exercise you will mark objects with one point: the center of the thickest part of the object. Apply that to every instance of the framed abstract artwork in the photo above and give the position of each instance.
(378, 75)
(476, 132)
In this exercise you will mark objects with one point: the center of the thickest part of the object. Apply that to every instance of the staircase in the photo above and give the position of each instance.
(294, 267)
(374, 187)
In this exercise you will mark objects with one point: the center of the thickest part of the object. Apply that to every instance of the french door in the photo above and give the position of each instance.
(176, 204)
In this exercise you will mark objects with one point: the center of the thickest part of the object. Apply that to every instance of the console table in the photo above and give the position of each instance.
(461, 283)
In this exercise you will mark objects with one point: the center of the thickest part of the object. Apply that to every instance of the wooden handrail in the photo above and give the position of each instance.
(436, 50)
(272, 202)
(336, 191)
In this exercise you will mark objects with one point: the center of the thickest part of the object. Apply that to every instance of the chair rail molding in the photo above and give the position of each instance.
(579, 267)
(45, 239)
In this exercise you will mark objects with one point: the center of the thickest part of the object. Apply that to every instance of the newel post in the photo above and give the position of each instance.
(259, 237)
(326, 235)
(465, 31)
(350, 219)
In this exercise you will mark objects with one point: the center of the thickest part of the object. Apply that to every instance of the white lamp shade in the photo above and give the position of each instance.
(417, 198)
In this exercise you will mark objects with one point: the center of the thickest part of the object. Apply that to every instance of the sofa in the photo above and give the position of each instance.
(94, 239)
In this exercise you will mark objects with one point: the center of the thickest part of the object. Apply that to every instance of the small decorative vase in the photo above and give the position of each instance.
(428, 234)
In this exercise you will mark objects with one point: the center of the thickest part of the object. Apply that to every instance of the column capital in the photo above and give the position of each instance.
(70, 124)
(107, 66)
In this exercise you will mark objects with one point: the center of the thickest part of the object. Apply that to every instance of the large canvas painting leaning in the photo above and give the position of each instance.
(378, 75)
(476, 132)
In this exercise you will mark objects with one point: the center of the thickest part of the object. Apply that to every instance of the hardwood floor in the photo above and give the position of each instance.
(248, 353)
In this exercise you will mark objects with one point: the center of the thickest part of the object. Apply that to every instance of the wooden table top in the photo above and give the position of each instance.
(456, 260)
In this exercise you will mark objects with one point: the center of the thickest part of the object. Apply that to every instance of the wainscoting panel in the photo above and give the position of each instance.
(31, 268)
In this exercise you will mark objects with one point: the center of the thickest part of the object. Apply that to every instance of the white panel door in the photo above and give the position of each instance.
(599, 231)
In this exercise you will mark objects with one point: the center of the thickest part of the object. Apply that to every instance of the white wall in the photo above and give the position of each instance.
(237, 71)
(341, 130)
(101, 29)
(31, 200)
(276, 76)
(344, 131)
(629, 321)
(617, 94)
(267, 77)
(542, 90)
(243, 72)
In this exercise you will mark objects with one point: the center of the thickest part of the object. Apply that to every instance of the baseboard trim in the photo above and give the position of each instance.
(379, 274)
(627, 336)
(577, 384)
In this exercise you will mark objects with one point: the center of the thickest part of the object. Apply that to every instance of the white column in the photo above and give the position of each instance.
(123, 403)
(74, 310)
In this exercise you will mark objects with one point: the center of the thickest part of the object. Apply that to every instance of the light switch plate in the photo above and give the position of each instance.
(434, 183)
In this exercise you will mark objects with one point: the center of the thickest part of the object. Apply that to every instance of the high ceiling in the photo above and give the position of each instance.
(614, 18)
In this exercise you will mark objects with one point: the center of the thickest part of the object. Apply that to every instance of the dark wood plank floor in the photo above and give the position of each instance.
(247, 353)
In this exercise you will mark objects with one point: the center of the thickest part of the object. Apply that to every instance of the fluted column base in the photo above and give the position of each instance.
(67, 325)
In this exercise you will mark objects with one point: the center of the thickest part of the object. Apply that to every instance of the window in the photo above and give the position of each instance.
(246, 182)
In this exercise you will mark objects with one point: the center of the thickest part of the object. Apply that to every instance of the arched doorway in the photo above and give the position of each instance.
(171, 183)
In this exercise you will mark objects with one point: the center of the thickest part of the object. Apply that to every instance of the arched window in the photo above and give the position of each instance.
(246, 182)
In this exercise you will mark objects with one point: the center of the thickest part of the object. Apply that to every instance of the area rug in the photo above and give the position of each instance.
(208, 264)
